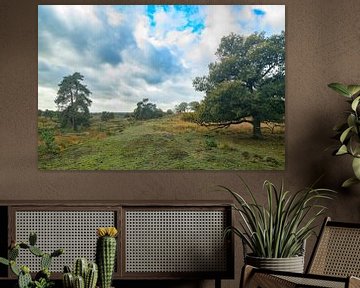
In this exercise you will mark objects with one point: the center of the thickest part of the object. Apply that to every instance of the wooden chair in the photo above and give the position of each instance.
(335, 262)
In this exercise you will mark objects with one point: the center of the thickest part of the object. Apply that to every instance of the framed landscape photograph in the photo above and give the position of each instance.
(161, 87)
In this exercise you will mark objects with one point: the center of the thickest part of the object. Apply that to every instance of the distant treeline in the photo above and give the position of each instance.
(144, 110)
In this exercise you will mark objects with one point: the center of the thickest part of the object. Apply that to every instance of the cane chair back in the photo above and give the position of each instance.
(337, 252)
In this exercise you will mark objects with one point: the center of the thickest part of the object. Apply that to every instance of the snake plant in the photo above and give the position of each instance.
(349, 132)
(279, 228)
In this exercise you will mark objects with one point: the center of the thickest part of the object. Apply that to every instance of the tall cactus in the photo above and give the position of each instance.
(106, 254)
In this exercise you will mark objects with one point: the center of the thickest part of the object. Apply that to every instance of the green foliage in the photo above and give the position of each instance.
(146, 110)
(210, 143)
(106, 116)
(169, 112)
(279, 229)
(246, 83)
(349, 131)
(182, 107)
(156, 144)
(42, 278)
(73, 102)
(43, 283)
(49, 146)
(189, 117)
(194, 105)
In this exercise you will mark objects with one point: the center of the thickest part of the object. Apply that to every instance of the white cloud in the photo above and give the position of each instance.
(46, 97)
(77, 15)
(114, 18)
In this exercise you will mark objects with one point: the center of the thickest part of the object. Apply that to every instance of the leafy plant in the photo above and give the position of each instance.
(279, 229)
(50, 147)
(349, 132)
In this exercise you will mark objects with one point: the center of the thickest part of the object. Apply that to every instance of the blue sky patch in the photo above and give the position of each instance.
(259, 12)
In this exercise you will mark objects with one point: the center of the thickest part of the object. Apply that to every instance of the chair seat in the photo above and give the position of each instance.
(268, 279)
(314, 282)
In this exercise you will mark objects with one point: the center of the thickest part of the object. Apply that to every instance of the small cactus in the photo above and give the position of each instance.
(57, 252)
(13, 253)
(68, 280)
(24, 280)
(36, 251)
(45, 261)
(91, 276)
(89, 272)
(106, 254)
(32, 238)
(79, 282)
(80, 268)
(23, 273)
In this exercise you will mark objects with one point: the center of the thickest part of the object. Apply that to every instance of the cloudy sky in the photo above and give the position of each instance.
(130, 52)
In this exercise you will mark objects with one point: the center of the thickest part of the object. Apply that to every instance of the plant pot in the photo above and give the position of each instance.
(291, 264)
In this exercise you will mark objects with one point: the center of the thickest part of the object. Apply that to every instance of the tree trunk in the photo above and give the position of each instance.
(72, 110)
(257, 129)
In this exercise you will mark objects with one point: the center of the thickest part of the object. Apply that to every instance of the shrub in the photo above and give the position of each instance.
(49, 145)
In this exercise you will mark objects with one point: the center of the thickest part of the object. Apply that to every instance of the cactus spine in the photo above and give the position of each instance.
(105, 255)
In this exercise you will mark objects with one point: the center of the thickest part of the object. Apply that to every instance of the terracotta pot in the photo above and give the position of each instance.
(291, 264)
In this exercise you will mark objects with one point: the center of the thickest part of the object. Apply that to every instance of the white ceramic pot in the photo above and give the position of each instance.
(291, 264)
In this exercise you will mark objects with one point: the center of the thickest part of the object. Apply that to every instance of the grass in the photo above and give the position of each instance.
(165, 144)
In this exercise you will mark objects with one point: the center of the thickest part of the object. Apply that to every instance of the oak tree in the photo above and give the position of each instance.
(246, 83)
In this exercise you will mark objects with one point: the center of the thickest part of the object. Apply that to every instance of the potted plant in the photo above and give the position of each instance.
(276, 233)
(349, 132)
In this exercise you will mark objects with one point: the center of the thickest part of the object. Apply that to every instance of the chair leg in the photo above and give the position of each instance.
(217, 283)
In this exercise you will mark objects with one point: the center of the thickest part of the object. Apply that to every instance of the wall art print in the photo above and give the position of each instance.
(161, 87)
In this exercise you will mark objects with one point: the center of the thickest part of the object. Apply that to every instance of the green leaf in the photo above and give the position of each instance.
(349, 182)
(356, 167)
(353, 89)
(345, 134)
(351, 120)
(340, 88)
(342, 150)
(355, 103)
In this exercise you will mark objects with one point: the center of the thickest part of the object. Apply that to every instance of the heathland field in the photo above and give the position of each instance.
(166, 143)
